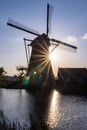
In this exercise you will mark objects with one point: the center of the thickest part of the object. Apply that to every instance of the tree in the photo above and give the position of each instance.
(2, 73)
(22, 71)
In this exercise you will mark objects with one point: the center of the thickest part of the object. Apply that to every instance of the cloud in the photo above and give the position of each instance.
(84, 36)
(71, 39)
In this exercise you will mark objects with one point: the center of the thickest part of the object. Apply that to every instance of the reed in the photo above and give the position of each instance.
(5, 124)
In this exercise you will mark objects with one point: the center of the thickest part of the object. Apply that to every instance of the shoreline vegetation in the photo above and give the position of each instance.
(5, 124)
(67, 86)
(72, 87)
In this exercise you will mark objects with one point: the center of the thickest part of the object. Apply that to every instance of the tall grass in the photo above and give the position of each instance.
(5, 124)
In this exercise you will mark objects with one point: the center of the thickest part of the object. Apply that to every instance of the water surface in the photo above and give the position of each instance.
(50, 109)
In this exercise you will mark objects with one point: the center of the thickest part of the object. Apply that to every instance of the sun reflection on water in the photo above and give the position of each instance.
(53, 112)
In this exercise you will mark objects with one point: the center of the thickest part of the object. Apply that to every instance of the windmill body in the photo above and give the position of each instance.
(40, 69)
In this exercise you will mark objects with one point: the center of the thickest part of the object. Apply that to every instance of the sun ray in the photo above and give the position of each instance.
(43, 48)
(48, 71)
(42, 52)
(44, 62)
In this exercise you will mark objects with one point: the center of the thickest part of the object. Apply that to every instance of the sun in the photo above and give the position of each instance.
(53, 57)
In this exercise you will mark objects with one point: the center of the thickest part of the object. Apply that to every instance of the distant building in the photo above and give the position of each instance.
(12, 78)
(72, 81)
(72, 74)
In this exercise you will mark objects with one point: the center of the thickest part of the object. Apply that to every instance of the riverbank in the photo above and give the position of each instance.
(70, 88)
(11, 84)
(21, 85)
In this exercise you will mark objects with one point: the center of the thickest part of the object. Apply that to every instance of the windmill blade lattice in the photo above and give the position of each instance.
(22, 27)
(62, 45)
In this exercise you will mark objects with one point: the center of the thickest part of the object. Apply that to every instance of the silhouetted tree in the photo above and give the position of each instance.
(22, 71)
(2, 73)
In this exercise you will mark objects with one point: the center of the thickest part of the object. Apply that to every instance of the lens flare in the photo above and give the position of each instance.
(26, 80)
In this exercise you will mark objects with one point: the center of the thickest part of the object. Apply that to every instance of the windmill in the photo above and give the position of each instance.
(39, 68)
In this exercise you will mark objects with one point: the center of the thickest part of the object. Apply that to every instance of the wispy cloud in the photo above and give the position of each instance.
(84, 36)
(71, 39)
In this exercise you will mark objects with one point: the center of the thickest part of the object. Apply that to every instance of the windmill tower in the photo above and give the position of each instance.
(39, 68)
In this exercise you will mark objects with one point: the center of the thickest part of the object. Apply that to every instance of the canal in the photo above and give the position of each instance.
(48, 109)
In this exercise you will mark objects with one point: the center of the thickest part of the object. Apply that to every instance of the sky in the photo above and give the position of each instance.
(68, 24)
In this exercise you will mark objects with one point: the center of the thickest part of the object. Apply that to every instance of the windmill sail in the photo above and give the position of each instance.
(20, 26)
(49, 15)
(62, 45)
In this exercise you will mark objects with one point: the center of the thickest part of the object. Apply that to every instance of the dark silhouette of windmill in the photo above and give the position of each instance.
(39, 67)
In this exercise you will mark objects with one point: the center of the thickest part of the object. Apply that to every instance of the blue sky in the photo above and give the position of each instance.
(69, 24)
